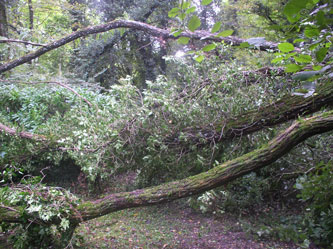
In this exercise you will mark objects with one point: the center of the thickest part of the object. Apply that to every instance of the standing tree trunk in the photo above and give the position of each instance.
(3, 19)
(3, 25)
(31, 20)
(31, 16)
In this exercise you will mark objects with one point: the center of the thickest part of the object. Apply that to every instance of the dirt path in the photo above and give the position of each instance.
(169, 226)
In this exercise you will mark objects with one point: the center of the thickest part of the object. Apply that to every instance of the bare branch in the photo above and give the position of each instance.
(23, 134)
(75, 92)
(24, 42)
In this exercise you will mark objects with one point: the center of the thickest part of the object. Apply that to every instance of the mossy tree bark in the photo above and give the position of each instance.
(220, 175)
(287, 108)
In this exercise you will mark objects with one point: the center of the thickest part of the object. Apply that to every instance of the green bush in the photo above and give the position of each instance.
(317, 190)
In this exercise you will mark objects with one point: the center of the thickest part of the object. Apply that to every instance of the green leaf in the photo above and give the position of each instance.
(206, 2)
(313, 46)
(177, 33)
(185, 5)
(244, 45)
(286, 47)
(121, 31)
(209, 47)
(293, 8)
(278, 59)
(317, 67)
(183, 40)
(311, 32)
(298, 40)
(194, 23)
(291, 68)
(199, 58)
(225, 33)
(216, 27)
(173, 12)
(321, 19)
(321, 54)
(191, 10)
(182, 16)
(303, 58)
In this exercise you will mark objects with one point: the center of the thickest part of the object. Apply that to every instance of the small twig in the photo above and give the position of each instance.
(23, 134)
(144, 46)
(75, 92)
(9, 208)
(20, 41)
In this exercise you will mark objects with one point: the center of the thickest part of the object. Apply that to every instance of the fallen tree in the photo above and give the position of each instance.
(218, 176)
(285, 109)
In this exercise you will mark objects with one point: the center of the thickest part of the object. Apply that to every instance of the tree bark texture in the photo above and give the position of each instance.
(3, 19)
(149, 29)
(288, 108)
(31, 15)
(219, 175)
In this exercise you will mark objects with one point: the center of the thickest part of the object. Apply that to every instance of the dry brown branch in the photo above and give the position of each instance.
(23, 134)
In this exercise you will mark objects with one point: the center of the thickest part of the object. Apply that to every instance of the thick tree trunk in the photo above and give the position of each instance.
(3, 25)
(151, 30)
(288, 108)
(220, 175)
(31, 15)
(3, 19)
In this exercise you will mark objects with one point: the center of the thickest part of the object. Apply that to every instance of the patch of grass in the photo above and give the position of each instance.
(168, 226)
(135, 228)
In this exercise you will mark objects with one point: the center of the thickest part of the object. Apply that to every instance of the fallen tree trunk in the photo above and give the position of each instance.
(287, 108)
(149, 29)
(220, 175)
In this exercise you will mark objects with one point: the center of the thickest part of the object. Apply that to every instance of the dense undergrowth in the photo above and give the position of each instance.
(158, 134)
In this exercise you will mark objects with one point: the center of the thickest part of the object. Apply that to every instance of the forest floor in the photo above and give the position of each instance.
(170, 226)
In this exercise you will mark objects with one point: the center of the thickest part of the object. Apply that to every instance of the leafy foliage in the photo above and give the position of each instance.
(318, 188)
(45, 204)
(156, 115)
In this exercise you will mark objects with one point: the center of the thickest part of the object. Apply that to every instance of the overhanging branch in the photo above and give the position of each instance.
(154, 31)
